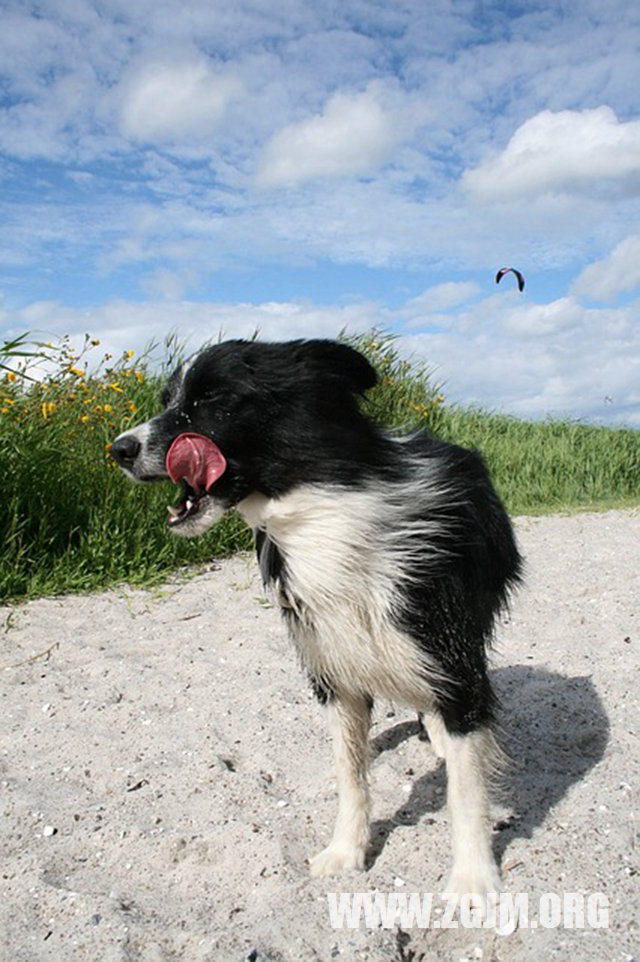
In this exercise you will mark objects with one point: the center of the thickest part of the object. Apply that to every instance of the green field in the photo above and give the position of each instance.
(71, 521)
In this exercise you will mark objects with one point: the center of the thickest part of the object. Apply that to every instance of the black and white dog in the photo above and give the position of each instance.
(389, 557)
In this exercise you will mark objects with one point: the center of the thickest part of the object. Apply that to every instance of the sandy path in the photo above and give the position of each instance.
(165, 772)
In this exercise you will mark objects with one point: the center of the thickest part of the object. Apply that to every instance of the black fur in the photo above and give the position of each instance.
(287, 415)
(283, 414)
(389, 557)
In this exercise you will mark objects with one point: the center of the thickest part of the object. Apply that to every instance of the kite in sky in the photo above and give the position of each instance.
(506, 270)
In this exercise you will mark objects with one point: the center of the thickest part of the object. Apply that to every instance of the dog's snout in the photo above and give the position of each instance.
(125, 449)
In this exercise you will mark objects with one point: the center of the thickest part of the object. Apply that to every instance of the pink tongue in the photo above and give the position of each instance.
(195, 459)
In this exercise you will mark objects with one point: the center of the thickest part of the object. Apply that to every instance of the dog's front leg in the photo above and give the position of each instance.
(349, 720)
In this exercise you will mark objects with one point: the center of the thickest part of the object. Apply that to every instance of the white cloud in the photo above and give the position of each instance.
(441, 296)
(566, 152)
(164, 102)
(167, 284)
(534, 360)
(613, 275)
(533, 321)
(129, 325)
(42, 127)
(352, 136)
(422, 85)
(94, 89)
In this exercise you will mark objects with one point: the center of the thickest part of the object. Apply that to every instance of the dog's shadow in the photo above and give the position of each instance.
(554, 729)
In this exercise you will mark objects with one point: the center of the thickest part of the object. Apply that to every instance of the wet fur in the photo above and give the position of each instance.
(389, 557)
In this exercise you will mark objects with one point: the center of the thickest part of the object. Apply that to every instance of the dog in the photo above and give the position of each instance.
(389, 556)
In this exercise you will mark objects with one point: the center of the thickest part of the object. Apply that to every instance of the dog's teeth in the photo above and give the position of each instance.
(189, 504)
(173, 512)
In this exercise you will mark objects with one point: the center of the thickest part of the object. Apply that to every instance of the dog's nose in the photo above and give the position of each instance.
(125, 450)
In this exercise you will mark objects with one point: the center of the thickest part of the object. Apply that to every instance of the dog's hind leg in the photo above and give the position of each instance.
(349, 720)
(430, 725)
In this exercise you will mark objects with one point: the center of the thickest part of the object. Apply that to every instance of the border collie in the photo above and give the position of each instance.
(390, 558)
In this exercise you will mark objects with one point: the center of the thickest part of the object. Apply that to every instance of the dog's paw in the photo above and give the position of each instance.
(335, 859)
(477, 882)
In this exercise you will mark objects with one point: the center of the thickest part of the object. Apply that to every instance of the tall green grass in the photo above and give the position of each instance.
(70, 521)
(549, 466)
(537, 466)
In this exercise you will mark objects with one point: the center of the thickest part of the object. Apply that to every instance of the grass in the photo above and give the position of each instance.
(71, 522)
(550, 466)
(537, 466)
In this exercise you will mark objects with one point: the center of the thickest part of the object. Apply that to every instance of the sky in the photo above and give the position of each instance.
(211, 169)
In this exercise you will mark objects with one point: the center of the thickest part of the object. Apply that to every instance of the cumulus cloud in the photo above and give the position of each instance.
(533, 321)
(531, 360)
(613, 275)
(164, 102)
(536, 360)
(89, 210)
(562, 152)
(122, 324)
(353, 135)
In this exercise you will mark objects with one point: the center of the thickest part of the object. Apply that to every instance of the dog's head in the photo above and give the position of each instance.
(245, 416)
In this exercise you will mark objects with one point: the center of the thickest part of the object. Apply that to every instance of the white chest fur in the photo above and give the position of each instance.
(342, 581)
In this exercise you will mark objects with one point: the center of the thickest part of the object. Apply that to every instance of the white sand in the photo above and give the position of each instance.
(165, 772)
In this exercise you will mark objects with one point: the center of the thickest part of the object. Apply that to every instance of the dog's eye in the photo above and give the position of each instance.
(206, 399)
(213, 399)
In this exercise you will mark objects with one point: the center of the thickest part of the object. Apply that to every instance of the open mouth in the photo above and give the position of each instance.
(188, 506)
(196, 463)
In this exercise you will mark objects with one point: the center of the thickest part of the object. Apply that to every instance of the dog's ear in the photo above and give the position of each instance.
(333, 359)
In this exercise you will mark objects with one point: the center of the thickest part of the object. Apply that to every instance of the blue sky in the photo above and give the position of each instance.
(203, 167)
